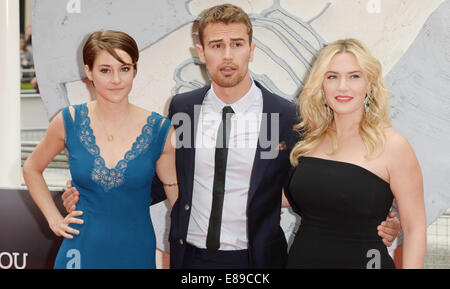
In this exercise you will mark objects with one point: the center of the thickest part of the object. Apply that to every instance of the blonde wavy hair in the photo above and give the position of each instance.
(317, 120)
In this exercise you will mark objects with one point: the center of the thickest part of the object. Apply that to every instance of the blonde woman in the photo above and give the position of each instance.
(349, 166)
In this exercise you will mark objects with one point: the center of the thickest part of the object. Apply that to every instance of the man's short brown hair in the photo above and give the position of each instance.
(226, 14)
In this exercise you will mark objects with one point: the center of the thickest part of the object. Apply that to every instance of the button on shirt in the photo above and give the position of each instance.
(245, 125)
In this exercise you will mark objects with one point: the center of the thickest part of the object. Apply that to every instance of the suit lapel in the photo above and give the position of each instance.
(270, 105)
(193, 110)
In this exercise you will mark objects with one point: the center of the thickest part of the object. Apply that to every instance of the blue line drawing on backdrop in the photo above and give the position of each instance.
(278, 26)
(58, 54)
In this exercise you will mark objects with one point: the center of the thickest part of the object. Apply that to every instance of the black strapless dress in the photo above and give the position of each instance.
(341, 205)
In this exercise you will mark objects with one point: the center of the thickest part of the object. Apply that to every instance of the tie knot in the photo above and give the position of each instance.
(226, 109)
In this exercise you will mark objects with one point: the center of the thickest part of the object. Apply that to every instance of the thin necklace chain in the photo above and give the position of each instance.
(109, 136)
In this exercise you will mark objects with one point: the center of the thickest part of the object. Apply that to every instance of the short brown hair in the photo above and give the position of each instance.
(226, 14)
(109, 40)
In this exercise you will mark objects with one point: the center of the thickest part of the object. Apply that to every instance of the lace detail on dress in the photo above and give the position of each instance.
(105, 177)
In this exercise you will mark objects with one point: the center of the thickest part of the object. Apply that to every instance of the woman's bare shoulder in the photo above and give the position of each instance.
(393, 135)
(56, 129)
(144, 113)
(141, 112)
(397, 145)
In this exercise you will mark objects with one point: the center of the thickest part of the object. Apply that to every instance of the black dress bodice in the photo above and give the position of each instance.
(341, 205)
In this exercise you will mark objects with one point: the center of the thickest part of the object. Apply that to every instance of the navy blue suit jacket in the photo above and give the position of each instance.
(266, 241)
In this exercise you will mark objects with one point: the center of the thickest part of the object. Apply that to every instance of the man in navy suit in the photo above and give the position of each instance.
(232, 157)
(250, 232)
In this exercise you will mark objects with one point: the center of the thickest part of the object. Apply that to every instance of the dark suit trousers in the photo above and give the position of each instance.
(196, 258)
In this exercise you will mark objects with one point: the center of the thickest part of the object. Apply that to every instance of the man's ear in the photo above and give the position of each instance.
(200, 52)
(88, 72)
(252, 51)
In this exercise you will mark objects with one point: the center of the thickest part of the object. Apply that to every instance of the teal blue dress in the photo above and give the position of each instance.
(117, 230)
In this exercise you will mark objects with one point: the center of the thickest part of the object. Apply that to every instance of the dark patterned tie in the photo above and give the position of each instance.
(220, 168)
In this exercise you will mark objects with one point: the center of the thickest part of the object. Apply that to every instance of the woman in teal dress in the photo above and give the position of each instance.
(115, 148)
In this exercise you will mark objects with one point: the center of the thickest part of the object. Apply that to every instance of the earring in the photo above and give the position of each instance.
(327, 107)
(366, 104)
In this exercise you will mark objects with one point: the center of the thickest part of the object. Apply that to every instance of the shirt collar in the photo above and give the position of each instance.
(240, 106)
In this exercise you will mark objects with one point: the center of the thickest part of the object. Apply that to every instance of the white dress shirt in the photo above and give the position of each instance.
(245, 125)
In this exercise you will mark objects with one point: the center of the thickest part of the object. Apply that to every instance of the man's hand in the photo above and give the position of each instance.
(389, 229)
(70, 197)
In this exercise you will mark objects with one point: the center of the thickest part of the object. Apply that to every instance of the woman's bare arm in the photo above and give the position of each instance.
(166, 168)
(407, 186)
(52, 144)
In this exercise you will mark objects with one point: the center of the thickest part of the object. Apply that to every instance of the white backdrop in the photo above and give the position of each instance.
(410, 37)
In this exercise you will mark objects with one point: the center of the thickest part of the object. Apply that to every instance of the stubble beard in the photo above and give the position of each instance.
(230, 81)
